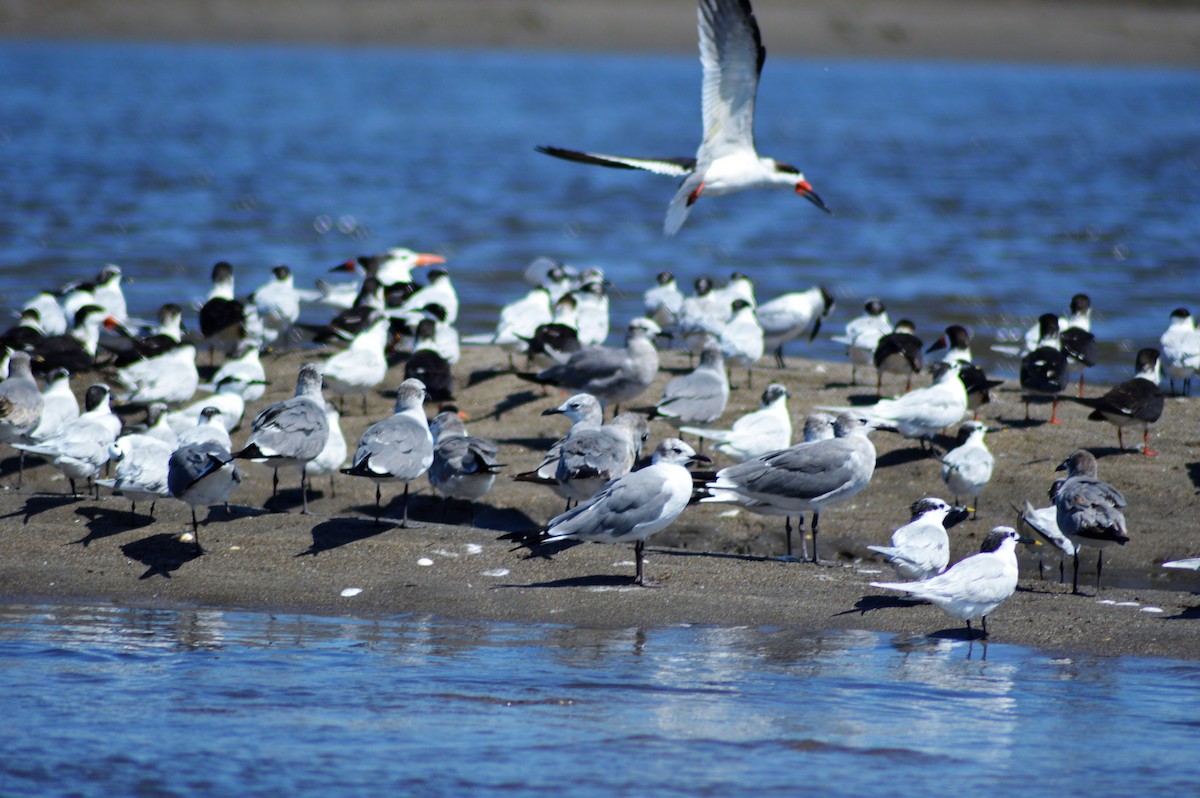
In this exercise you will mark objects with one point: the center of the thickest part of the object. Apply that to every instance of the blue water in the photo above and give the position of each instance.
(105, 701)
(963, 192)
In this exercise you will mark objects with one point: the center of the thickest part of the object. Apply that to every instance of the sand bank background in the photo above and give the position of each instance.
(1081, 31)
(715, 567)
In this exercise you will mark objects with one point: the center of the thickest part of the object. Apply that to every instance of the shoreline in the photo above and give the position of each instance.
(1049, 31)
(714, 568)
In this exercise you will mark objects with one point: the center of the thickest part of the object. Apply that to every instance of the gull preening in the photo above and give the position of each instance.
(732, 55)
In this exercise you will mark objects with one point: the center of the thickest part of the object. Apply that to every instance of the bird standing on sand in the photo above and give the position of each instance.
(1181, 349)
(289, 433)
(398, 448)
(201, 475)
(732, 55)
(464, 466)
(21, 405)
(974, 586)
(633, 507)
(862, 336)
(786, 317)
(698, 398)
(1044, 370)
(80, 449)
(333, 456)
(1135, 401)
(967, 468)
(898, 352)
(1089, 510)
(141, 473)
(361, 366)
(808, 477)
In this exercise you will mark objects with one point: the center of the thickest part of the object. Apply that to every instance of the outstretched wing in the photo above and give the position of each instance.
(672, 167)
(732, 55)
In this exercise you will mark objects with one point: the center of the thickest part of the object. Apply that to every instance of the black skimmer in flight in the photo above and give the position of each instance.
(732, 55)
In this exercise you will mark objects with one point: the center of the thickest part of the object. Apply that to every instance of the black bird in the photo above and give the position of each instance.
(140, 347)
(559, 336)
(1136, 401)
(75, 350)
(899, 352)
(1044, 370)
(222, 318)
(25, 333)
(428, 366)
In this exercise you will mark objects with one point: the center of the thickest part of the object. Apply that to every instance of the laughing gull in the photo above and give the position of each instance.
(333, 456)
(208, 428)
(807, 477)
(613, 376)
(80, 449)
(21, 406)
(359, 368)
(1181, 349)
(732, 55)
(141, 473)
(397, 449)
(967, 468)
(663, 302)
(923, 412)
(698, 398)
(289, 433)
(1135, 401)
(862, 336)
(974, 586)
(1089, 510)
(464, 466)
(592, 454)
(741, 339)
(582, 409)
(632, 507)
(921, 548)
(767, 429)
(171, 377)
(898, 352)
(786, 317)
(201, 475)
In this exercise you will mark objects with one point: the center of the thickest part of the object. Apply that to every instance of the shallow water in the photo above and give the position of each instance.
(963, 192)
(108, 701)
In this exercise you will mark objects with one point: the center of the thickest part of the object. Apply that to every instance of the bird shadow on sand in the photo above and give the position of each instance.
(541, 443)
(515, 400)
(162, 554)
(103, 522)
(862, 399)
(457, 513)
(338, 532)
(871, 603)
(11, 466)
(1193, 472)
(479, 376)
(896, 457)
(595, 580)
(39, 503)
(1186, 614)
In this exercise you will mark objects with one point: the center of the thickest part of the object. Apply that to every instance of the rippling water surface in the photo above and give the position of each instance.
(106, 701)
(978, 193)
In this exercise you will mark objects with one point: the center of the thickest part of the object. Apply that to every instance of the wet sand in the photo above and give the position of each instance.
(714, 568)
(1058, 31)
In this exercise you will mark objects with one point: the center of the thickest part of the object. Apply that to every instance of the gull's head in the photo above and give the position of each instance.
(580, 407)
(673, 450)
(1080, 462)
(792, 175)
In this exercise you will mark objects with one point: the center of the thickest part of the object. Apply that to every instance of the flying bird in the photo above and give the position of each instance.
(732, 55)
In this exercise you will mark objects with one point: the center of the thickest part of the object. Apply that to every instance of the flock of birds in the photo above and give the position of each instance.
(184, 449)
(560, 327)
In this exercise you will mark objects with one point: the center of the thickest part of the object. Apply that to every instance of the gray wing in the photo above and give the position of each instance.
(808, 471)
(596, 363)
(20, 404)
(593, 453)
(697, 397)
(294, 428)
(621, 510)
(454, 456)
(190, 464)
(1087, 506)
(398, 447)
